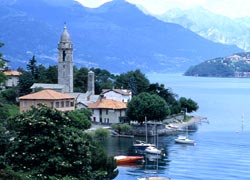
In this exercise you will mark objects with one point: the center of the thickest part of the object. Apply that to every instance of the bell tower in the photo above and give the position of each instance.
(65, 61)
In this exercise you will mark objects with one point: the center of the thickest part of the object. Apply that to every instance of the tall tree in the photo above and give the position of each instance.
(2, 63)
(136, 81)
(80, 79)
(160, 90)
(188, 105)
(25, 82)
(32, 68)
(147, 105)
(103, 79)
(51, 75)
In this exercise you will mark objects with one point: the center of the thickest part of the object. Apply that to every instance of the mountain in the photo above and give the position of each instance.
(116, 36)
(212, 26)
(235, 65)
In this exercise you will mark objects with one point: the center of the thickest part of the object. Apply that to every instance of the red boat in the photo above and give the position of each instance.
(127, 159)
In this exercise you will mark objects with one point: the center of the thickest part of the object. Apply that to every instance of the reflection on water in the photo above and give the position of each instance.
(222, 147)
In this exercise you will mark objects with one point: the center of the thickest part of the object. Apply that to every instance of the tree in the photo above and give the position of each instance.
(150, 105)
(136, 81)
(2, 76)
(103, 80)
(32, 68)
(25, 82)
(188, 105)
(80, 118)
(49, 145)
(51, 75)
(80, 79)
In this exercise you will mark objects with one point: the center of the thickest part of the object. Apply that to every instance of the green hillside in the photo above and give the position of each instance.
(236, 65)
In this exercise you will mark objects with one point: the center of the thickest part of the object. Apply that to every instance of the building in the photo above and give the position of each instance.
(122, 95)
(51, 98)
(13, 78)
(65, 61)
(108, 111)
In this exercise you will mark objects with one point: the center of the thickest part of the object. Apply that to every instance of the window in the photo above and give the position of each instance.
(107, 111)
(25, 103)
(57, 104)
(62, 104)
(52, 104)
(64, 55)
(67, 103)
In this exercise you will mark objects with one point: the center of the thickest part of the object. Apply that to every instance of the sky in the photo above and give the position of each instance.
(229, 8)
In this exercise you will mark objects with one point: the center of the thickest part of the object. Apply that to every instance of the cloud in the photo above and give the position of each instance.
(230, 8)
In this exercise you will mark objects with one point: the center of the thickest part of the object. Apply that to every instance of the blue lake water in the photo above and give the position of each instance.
(222, 150)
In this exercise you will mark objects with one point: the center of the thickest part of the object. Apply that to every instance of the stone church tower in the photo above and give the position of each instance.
(65, 61)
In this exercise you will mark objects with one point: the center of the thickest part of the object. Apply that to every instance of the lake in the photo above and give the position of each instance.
(222, 145)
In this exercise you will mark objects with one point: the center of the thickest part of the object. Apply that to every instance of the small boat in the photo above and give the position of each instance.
(142, 145)
(152, 150)
(184, 140)
(127, 159)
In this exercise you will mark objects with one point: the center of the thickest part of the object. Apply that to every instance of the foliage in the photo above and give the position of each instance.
(48, 144)
(2, 76)
(166, 94)
(80, 79)
(101, 133)
(25, 82)
(9, 95)
(121, 128)
(188, 104)
(51, 75)
(150, 105)
(32, 68)
(136, 81)
(103, 80)
(80, 119)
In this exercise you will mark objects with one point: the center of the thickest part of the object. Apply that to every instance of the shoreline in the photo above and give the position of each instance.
(170, 128)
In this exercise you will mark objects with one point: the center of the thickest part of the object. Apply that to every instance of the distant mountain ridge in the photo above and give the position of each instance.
(211, 26)
(235, 65)
(116, 36)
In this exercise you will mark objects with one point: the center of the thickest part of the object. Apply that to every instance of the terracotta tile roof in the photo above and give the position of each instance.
(12, 73)
(107, 104)
(47, 95)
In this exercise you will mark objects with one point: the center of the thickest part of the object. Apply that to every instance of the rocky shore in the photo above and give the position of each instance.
(171, 127)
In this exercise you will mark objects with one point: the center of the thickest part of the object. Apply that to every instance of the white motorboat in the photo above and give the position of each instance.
(184, 140)
(142, 145)
(152, 150)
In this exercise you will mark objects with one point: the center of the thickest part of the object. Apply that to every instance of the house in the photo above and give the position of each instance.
(51, 98)
(108, 111)
(13, 78)
(122, 95)
(83, 99)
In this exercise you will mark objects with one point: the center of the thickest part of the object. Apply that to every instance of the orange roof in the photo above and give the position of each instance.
(47, 95)
(107, 104)
(12, 73)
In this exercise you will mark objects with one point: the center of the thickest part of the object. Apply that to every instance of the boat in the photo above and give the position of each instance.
(152, 150)
(122, 159)
(184, 140)
(142, 145)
